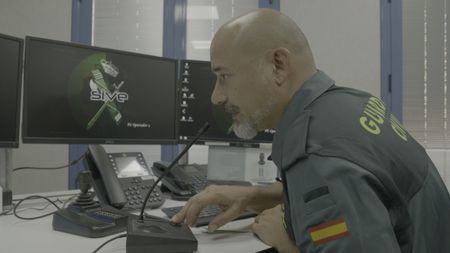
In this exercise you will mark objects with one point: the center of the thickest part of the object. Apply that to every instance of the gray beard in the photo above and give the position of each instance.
(245, 130)
(248, 128)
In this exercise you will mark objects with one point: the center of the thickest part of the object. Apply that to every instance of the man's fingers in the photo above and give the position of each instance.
(199, 202)
(191, 210)
(229, 214)
(194, 211)
(256, 228)
(181, 215)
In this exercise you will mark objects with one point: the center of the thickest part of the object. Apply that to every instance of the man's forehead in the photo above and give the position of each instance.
(228, 61)
(219, 61)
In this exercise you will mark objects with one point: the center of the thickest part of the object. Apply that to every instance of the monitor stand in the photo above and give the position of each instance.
(240, 163)
(5, 177)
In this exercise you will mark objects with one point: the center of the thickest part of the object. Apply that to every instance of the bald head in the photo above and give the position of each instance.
(260, 59)
(258, 31)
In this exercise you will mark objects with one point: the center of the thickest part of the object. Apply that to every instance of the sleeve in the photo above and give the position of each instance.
(335, 206)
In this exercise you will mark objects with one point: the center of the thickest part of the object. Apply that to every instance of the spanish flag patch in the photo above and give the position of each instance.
(329, 231)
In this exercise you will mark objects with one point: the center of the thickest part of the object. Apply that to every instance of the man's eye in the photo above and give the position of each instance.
(223, 76)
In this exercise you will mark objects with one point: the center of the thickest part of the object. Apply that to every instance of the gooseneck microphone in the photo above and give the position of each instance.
(159, 235)
(175, 161)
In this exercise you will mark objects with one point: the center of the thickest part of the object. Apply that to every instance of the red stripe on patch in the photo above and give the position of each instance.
(324, 225)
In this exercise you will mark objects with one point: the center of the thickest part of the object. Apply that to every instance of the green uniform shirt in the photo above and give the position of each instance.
(354, 180)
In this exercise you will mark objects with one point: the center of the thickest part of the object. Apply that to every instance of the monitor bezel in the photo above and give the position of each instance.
(15, 143)
(85, 140)
(208, 140)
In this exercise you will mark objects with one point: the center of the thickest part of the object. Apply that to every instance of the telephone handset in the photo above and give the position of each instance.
(106, 183)
(121, 179)
(184, 181)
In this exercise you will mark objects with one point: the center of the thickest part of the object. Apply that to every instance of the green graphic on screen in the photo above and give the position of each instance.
(95, 88)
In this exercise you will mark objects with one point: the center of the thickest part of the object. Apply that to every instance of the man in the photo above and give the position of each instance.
(353, 180)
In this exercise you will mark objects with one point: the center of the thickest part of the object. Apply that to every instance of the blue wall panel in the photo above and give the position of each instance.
(391, 56)
(174, 46)
(81, 33)
(273, 4)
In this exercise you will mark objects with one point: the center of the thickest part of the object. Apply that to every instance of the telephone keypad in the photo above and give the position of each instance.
(136, 188)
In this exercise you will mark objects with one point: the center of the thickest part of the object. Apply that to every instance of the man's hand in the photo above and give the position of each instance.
(233, 199)
(268, 226)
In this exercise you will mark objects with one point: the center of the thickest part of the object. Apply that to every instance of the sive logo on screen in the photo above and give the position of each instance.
(99, 89)
(106, 92)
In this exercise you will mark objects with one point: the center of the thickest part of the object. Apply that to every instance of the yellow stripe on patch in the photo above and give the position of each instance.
(329, 231)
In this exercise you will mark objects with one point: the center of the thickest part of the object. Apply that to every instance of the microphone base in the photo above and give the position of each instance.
(158, 235)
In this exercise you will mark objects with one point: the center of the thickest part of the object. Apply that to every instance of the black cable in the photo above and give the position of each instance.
(71, 195)
(51, 168)
(33, 197)
(9, 212)
(40, 208)
(110, 240)
(64, 203)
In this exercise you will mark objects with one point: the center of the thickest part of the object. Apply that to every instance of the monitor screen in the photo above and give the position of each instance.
(10, 87)
(83, 94)
(197, 84)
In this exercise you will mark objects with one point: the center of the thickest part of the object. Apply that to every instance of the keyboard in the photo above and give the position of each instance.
(207, 214)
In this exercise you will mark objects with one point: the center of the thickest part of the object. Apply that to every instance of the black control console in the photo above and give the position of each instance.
(97, 222)
(158, 235)
(86, 217)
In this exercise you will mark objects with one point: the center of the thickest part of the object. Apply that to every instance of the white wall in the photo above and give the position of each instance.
(345, 38)
(48, 19)
(129, 25)
(441, 159)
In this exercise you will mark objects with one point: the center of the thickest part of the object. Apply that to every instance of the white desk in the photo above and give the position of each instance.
(21, 236)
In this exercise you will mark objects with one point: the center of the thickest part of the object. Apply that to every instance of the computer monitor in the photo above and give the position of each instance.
(10, 88)
(83, 94)
(197, 84)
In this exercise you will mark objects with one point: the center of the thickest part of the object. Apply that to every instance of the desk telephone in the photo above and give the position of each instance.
(121, 179)
(184, 181)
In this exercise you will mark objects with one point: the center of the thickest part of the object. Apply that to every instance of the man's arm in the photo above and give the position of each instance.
(266, 197)
(234, 200)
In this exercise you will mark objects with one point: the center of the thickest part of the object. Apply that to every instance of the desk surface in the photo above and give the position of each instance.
(22, 236)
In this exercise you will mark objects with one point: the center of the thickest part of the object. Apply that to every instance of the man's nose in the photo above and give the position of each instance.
(217, 96)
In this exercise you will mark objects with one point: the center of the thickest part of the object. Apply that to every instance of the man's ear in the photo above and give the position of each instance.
(280, 60)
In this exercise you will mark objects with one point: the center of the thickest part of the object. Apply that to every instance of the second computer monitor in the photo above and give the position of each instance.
(197, 84)
(83, 94)
(10, 87)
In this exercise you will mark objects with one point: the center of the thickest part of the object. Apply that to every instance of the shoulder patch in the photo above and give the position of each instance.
(329, 231)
